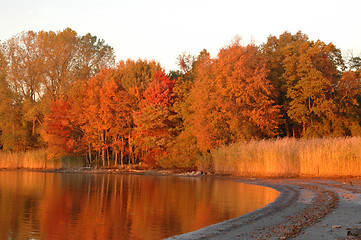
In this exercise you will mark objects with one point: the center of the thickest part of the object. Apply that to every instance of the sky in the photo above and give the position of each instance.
(161, 30)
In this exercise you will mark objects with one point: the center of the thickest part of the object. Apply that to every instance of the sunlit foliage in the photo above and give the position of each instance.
(38, 68)
(64, 92)
(154, 119)
(232, 98)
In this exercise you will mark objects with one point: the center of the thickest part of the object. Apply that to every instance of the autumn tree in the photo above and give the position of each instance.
(67, 57)
(242, 80)
(135, 76)
(93, 119)
(183, 83)
(116, 107)
(59, 130)
(67, 86)
(281, 54)
(305, 74)
(348, 112)
(154, 119)
(182, 151)
(198, 122)
(13, 136)
(43, 65)
(232, 98)
(105, 116)
(312, 88)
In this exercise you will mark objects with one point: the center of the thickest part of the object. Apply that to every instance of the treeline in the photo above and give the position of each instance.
(64, 92)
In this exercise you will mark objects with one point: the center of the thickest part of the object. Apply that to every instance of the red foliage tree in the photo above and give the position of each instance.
(59, 129)
(153, 120)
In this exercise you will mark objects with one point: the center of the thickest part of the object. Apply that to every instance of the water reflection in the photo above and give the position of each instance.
(75, 206)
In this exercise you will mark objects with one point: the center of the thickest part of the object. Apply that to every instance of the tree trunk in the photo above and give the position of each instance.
(103, 156)
(121, 157)
(103, 150)
(90, 155)
(116, 158)
(34, 123)
(108, 157)
(122, 152)
(131, 160)
(304, 129)
(287, 126)
(131, 155)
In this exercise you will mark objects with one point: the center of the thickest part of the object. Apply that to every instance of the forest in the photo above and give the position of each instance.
(65, 93)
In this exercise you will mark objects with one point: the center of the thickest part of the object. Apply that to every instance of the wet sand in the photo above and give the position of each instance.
(305, 209)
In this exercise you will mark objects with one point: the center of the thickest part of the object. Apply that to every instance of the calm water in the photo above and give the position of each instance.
(37, 205)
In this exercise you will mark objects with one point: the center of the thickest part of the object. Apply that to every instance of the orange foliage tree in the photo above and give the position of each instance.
(59, 130)
(308, 77)
(106, 116)
(312, 91)
(348, 112)
(135, 76)
(280, 53)
(42, 66)
(290, 86)
(100, 111)
(153, 121)
(232, 99)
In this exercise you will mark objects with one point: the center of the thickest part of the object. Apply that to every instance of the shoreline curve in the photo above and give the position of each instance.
(305, 209)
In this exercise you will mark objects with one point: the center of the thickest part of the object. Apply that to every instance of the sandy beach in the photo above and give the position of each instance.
(305, 209)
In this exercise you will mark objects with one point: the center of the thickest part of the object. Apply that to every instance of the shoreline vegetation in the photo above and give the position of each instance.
(289, 107)
(287, 157)
(37, 160)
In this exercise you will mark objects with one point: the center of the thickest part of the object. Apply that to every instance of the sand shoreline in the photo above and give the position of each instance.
(305, 209)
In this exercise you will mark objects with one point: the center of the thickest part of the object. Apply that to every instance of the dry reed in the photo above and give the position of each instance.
(329, 157)
(36, 159)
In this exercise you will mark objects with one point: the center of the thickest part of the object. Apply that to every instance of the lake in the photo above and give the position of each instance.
(38, 205)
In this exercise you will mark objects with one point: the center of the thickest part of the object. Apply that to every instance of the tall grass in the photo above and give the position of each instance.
(36, 159)
(291, 157)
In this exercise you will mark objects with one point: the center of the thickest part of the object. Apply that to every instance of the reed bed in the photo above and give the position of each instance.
(288, 157)
(36, 159)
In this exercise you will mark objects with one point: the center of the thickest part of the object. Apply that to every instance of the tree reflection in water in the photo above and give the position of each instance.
(79, 206)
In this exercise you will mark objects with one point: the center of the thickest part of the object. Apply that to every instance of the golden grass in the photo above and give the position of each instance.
(329, 157)
(36, 159)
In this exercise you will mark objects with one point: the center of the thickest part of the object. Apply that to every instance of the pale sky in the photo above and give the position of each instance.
(163, 29)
